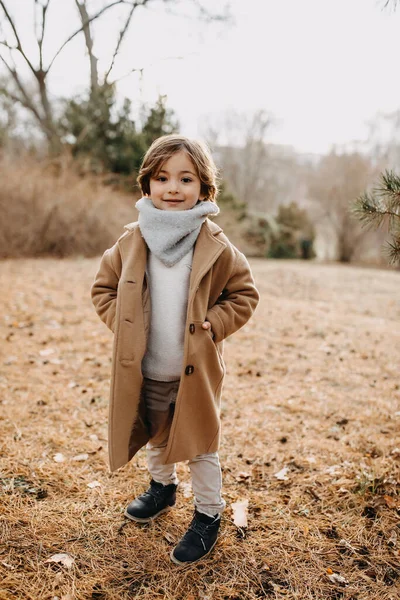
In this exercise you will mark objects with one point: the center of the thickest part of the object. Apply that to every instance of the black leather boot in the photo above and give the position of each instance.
(198, 541)
(157, 500)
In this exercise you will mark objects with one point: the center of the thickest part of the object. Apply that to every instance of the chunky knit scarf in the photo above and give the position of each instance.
(170, 234)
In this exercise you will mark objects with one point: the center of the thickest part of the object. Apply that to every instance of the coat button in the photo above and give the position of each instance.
(189, 370)
(192, 328)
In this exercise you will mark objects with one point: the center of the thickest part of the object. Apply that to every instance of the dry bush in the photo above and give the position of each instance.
(48, 208)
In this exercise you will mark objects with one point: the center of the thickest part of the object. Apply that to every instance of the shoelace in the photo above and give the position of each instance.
(201, 529)
(155, 493)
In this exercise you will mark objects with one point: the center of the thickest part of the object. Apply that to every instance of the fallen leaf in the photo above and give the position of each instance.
(329, 571)
(94, 484)
(46, 352)
(345, 544)
(390, 502)
(336, 578)
(243, 476)
(392, 541)
(240, 513)
(80, 457)
(186, 488)
(282, 474)
(64, 559)
(59, 457)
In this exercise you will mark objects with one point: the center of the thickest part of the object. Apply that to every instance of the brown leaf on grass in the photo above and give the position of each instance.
(94, 484)
(64, 559)
(186, 488)
(169, 537)
(80, 457)
(390, 502)
(46, 352)
(336, 578)
(59, 457)
(243, 476)
(282, 474)
(392, 541)
(240, 513)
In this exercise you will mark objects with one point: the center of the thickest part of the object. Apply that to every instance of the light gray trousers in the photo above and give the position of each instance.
(205, 469)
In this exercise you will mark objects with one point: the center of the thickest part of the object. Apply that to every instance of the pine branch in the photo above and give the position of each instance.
(393, 251)
(382, 205)
(389, 191)
(369, 210)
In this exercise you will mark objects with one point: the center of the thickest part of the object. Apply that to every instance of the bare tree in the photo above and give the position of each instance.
(40, 105)
(258, 173)
(391, 4)
(337, 180)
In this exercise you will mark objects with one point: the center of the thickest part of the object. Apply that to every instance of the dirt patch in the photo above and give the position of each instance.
(312, 395)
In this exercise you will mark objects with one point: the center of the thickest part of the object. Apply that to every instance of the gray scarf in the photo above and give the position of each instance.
(170, 234)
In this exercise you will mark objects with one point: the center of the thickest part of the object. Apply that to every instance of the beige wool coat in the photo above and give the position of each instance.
(221, 291)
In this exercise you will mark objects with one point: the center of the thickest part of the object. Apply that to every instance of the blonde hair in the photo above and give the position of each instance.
(166, 146)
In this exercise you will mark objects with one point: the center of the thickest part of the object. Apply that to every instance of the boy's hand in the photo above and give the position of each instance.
(207, 325)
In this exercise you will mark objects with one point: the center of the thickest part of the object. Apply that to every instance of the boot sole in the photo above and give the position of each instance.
(147, 519)
(182, 564)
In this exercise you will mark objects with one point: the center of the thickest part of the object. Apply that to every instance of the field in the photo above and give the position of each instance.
(311, 417)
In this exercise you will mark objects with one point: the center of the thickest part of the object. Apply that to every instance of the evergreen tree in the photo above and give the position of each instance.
(106, 136)
(295, 234)
(380, 206)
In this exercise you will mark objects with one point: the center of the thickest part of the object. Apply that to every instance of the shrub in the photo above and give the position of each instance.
(47, 208)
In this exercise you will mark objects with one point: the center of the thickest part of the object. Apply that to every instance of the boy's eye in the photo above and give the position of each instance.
(186, 180)
(161, 178)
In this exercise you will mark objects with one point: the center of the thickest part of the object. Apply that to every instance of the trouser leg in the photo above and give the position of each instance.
(206, 475)
(160, 397)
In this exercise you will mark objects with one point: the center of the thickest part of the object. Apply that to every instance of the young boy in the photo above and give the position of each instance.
(172, 289)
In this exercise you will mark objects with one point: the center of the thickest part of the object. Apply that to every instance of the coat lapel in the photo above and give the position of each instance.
(135, 254)
(207, 250)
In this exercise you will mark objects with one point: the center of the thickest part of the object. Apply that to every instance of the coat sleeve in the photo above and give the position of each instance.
(105, 286)
(237, 302)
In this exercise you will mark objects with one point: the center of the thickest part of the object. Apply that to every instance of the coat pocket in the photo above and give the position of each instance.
(126, 341)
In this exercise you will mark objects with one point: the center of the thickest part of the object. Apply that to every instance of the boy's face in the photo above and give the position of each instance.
(176, 186)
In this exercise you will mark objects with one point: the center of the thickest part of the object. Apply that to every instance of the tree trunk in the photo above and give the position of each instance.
(94, 75)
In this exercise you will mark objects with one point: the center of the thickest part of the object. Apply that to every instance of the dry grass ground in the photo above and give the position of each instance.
(312, 388)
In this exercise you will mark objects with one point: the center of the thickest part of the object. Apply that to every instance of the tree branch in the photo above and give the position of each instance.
(94, 76)
(389, 2)
(25, 100)
(122, 35)
(85, 24)
(40, 39)
(17, 38)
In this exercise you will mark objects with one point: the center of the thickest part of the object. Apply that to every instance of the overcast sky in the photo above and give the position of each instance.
(323, 68)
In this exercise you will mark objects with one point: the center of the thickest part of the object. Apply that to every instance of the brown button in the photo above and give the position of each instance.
(192, 328)
(189, 369)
